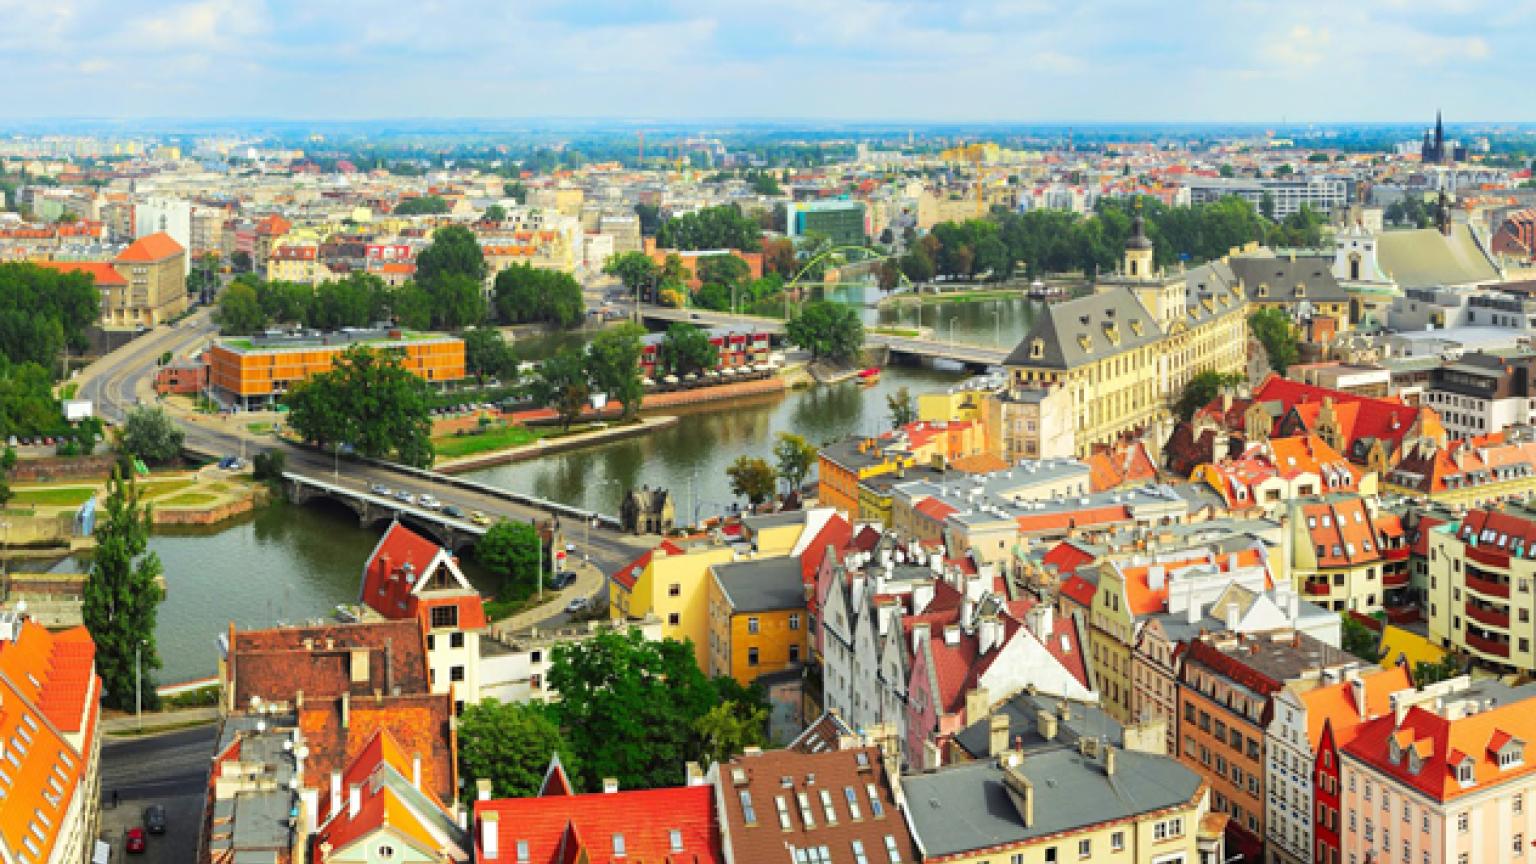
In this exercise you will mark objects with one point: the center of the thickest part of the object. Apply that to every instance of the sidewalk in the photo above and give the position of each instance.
(116, 723)
(589, 582)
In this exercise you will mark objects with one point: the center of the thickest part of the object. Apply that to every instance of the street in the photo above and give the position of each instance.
(170, 769)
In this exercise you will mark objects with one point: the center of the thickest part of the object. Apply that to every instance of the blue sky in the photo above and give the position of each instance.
(942, 60)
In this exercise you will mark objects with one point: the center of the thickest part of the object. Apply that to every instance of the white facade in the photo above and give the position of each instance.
(1288, 780)
(515, 667)
(171, 215)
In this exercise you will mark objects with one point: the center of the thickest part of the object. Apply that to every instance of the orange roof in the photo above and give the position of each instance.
(1344, 530)
(381, 807)
(155, 247)
(1334, 704)
(1142, 599)
(104, 273)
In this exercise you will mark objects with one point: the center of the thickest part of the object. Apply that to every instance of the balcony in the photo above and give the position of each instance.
(1318, 589)
(1489, 616)
(1488, 555)
(1488, 587)
(1487, 646)
(1394, 578)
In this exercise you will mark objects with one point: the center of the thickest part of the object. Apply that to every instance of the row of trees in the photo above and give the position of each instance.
(722, 227)
(609, 364)
(367, 401)
(828, 330)
(43, 313)
(630, 709)
(755, 479)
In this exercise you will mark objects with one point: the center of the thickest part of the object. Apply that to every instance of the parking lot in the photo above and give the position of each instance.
(169, 769)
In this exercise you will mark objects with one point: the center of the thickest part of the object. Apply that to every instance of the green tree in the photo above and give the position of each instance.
(637, 271)
(121, 598)
(827, 330)
(27, 403)
(422, 205)
(495, 213)
(487, 355)
(241, 262)
(628, 706)
(1358, 639)
(728, 729)
(1426, 673)
(511, 552)
(44, 312)
(458, 301)
(722, 227)
(525, 294)
(562, 385)
(150, 434)
(1201, 389)
(727, 271)
(902, 406)
(411, 306)
(650, 218)
(239, 311)
(686, 349)
(369, 401)
(359, 300)
(454, 251)
(794, 456)
(516, 191)
(283, 302)
(509, 744)
(613, 366)
(713, 297)
(1272, 327)
(752, 479)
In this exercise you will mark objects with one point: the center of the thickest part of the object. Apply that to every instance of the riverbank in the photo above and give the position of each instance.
(974, 295)
(545, 446)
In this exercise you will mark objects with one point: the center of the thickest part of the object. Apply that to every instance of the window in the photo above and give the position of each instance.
(752, 625)
(431, 642)
(386, 852)
(618, 845)
(456, 640)
(806, 816)
(1084, 848)
(445, 616)
(826, 807)
(1117, 841)
(675, 838)
(892, 852)
(853, 802)
(1050, 855)
(1517, 804)
(522, 852)
(455, 673)
(1462, 822)
(751, 656)
(783, 812)
(674, 619)
(794, 622)
(674, 590)
(1518, 844)
(858, 852)
(876, 809)
(748, 814)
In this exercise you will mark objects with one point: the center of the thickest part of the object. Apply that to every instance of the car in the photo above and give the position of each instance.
(479, 518)
(379, 489)
(561, 581)
(693, 315)
(577, 604)
(405, 496)
(452, 511)
(134, 843)
(429, 502)
(154, 819)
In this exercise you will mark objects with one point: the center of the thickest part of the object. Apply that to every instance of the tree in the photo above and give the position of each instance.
(722, 227)
(268, 465)
(779, 257)
(149, 434)
(1267, 205)
(239, 311)
(495, 213)
(613, 365)
(794, 457)
(45, 312)
(728, 729)
(487, 355)
(411, 306)
(752, 479)
(713, 297)
(458, 301)
(525, 294)
(359, 300)
(650, 218)
(636, 270)
(1358, 639)
(828, 330)
(240, 262)
(628, 706)
(121, 598)
(422, 205)
(509, 744)
(516, 191)
(454, 251)
(727, 271)
(686, 349)
(1272, 327)
(1426, 673)
(902, 407)
(512, 552)
(1201, 389)
(562, 385)
(369, 401)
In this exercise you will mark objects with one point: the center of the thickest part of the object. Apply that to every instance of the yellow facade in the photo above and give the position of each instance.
(1112, 630)
(946, 406)
(1132, 841)
(841, 467)
(675, 589)
(749, 644)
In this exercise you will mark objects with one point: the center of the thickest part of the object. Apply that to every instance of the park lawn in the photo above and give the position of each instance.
(455, 446)
(189, 499)
(161, 488)
(53, 496)
(903, 332)
(258, 428)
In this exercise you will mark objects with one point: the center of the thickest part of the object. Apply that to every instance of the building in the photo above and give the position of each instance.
(648, 511)
(844, 222)
(409, 577)
(1481, 572)
(297, 262)
(842, 466)
(1473, 472)
(255, 807)
(1030, 423)
(1125, 352)
(1303, 288)
(1269, 474)
(739, 352)
(1438, 151)
(831, 805)
(757, 618)
(377, 811)
(1479, 394)
(50, 713)
(144, 285)
(609, 827)
(1092, 803)
(1346, 552)
(1442, 777)
(1310, 726)
(260, 370)
(1227, 686)
(514, 667)
(1286, 195)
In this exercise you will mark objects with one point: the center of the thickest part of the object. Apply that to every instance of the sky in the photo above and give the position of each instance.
(859, 60)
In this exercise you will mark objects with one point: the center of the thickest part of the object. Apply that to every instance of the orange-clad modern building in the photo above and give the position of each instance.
(258, 371)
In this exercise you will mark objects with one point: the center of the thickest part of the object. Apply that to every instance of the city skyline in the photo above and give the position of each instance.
(1010, 61)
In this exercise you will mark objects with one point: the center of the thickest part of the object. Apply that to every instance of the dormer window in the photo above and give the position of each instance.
(1263, 290)
(1394, 751)
(1037, 349)
(1465, 774)
(1301, 290)
(1415, 764)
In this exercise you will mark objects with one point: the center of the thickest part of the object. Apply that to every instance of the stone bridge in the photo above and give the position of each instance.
(455, 534)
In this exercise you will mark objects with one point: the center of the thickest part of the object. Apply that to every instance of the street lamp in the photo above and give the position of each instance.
(138, 682)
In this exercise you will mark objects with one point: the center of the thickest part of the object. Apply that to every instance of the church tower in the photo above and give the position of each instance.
(1138, 250)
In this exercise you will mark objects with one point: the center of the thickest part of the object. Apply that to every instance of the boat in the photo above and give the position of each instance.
(870, 376)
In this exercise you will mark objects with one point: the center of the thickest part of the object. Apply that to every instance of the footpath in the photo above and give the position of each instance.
(125, 724)
(590, 582)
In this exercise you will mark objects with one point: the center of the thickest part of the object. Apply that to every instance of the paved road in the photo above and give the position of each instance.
(169, 769)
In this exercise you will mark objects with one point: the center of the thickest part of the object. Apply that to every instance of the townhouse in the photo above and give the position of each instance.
(1469, 473)
(1346, 552)
(1270, 473)
(376, 810)
(758, 618)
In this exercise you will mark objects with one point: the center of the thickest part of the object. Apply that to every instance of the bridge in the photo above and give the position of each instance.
(931, 349)
(372, 508)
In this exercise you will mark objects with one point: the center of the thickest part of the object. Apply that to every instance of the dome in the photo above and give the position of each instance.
(1138, 238)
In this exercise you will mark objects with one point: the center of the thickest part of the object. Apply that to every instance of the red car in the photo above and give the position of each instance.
(135, 840)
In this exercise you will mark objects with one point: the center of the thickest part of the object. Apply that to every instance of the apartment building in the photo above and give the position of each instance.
(758, 620)
(258, 371)
(1481, 571)
(1286, 195)
(1479, 394)
(1346, 552)
(1472, 472)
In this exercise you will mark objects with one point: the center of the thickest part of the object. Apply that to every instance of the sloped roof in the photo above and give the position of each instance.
(629, 574)
(583, 827)
(277, 663)
(1425, 258)
(153, 247)
(1064, 329)
(104, 274)
(419, 724)
(1280, 276)
(1334, 704)
(397, 580)
(1400, 646)
(388, 802)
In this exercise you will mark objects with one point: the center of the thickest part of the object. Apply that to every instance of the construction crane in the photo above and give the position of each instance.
(975, 154)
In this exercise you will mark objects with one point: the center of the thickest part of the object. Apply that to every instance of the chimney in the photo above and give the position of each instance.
(298, 701)
(1109, 760)
(1022, 792)
(483, 789)
(354, 800)
(346, 710)
(610, 785)
(932, 758)
(922, 595)
(1045, 724)
(359, 665)
(1192, 611)
(1231, 617)
(997, 734)
(1357, 690)
(919, 636)
(977, 705)
(335, 793)
(488, 850)
(694, 773)
(416, 770)
(952, 635)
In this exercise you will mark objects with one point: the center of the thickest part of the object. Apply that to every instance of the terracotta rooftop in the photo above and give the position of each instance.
(151, 248)
(326, 661)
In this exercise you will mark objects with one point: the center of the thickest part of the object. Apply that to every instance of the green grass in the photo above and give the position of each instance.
(903, 332)
(190, 499)
(454, 446)
(258, 428)
(44, 496)
(161, 488)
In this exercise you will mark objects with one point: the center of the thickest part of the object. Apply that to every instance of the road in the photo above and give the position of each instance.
(170, 769)
(121, 379)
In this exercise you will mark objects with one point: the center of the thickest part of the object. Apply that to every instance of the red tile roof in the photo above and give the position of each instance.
(1080, 591)
(151, 248)
(627, 575)
(1444, 744)
(403, 579)
(279, 663)
(833, 536)
(381, 808)
(569, 828)
(103, 273)
(337, 732)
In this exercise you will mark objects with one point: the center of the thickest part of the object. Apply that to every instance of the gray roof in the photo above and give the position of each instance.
(1061, 327)
(1023, 712)
(966, 807)
(1280, 276)
(261, 819)
(763, 585)
(1425, 258)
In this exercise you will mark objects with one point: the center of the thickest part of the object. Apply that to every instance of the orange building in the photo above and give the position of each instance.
(758, 622)
(257, 371)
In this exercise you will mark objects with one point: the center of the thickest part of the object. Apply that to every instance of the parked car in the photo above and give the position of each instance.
(135, 842)
(452, 511)
(154, 819)
(479, 518)
(561, 581)
(577, 604)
